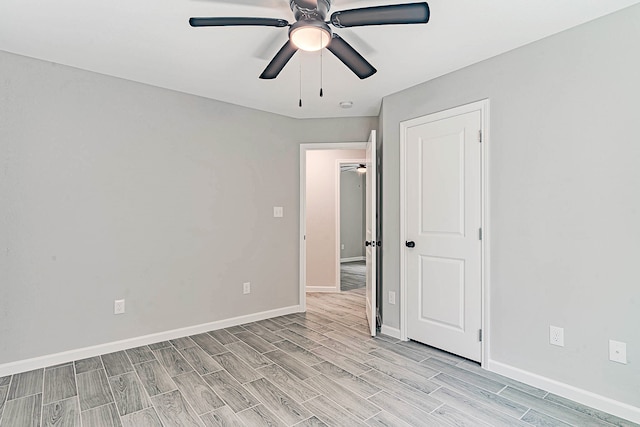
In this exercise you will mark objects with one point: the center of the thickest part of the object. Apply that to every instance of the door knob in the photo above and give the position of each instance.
(410, 244)
(367, 243)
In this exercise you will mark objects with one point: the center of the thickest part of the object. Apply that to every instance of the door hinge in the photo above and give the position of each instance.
(480, 135)
(479, 233)
(480, 335)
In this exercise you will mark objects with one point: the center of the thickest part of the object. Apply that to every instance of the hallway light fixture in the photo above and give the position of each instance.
(361, 168)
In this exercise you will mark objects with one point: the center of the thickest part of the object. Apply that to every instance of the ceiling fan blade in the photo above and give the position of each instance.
(410, 13)
(350, 57)
(279, 61)
(223, 22)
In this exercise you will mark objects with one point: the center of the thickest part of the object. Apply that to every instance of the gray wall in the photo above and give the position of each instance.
(352, 212)
(564, 200)
(113, 189)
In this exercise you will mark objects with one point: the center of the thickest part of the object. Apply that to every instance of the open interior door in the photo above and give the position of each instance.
(371, 241)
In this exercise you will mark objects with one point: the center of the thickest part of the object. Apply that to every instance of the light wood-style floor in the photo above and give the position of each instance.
(352, 275)
(310, 369)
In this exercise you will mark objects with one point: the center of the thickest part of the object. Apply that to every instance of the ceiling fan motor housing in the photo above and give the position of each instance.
(310, 9)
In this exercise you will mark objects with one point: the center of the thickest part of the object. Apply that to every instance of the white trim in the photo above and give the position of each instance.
(323, 289)
(97, 350)
(390, 332)
(303, 217)
(602, 403)
(483, 106)
(353, 258)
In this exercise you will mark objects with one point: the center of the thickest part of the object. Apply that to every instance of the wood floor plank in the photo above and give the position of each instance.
(154, 378)
(346, 363)
(89, 364)
(26, 384)
(385, 419)
(102, 416)
(312, 422)
(23, 411)
(547, 407)
(221, 417)
(93, 389)
(116, 363)
(236, 367)
(172, 361)
(331, 413)
(406, 412)
(260, 416)
(183, 342)
(262, 332)
(538, 419)
(476, 408)
(129, 393)
(345, 350)
(466, 376)
(297, 389)
(140, 354)
(4, 391)
(277, 401)
(5, 381)
(209, 344)
(59, 384)
(231, 391)
(416, 368)
(612, 419)
(361, 408)
(291, 364)
(223, 336)
(235, 329)
(305, 356)
(321, 328)
(65, 413)
(255, 342)
(174, 411)
(475, 368)
(145, 418)
(457, 418)
(271, 325)
(407, 393)
(496, 402)
(248, 354)
(298, 339)
(159, 345)
(198, 393)
(403, 375)
(306, 332)
(200, 360)
(356, 384)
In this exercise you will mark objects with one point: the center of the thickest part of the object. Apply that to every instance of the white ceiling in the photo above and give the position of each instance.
(150, 41)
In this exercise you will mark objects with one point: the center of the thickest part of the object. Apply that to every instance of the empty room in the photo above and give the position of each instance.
(176, 180)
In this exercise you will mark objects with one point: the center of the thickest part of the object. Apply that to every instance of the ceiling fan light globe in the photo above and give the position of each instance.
(310, 37)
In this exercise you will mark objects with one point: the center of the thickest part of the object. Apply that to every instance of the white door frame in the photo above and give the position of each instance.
(483, 106)
(303, 196)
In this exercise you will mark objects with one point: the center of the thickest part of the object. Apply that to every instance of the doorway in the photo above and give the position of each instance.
(313, 276)
(443, 193)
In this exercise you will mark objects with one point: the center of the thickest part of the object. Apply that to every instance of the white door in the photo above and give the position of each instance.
(371, 238)
(442, 227)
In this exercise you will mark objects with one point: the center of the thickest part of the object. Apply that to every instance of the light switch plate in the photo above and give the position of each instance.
(118, 306)
(278, 211)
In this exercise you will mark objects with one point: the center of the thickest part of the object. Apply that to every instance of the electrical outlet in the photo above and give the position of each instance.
(556, 336)
(278, 211)
(246, 288)
(618, 351)
(342, 247)
(118, 306)
(392, 297)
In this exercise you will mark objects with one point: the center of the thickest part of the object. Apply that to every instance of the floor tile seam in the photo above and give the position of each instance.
(183, 398)
(265, 406)
(99, 406)
(483, 404)
(242, 359)
(497, 393)
(144, 389)
(42, 400)
(580, 412)
(555, 418)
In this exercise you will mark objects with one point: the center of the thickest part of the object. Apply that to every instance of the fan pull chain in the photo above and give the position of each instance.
(321, 93)
(300, 80)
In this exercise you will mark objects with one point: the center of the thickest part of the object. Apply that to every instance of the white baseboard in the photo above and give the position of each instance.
(323, 289)
(96, 350)
(619, 409)
(390, 332)
(353, 258)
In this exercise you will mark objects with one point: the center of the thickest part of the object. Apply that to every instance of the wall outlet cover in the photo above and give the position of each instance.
(618, 351)
(118, 306)
(392, 297)
(246, 288)
(278, 211)
(556, 336)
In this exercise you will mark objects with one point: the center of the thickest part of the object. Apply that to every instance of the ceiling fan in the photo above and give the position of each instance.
(311, 32)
